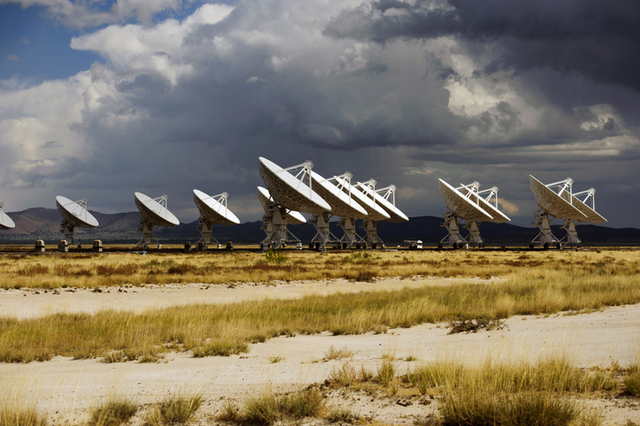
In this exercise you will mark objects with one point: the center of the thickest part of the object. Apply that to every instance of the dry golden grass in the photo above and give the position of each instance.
(507, 394)
(540, 282)
(53, 270)
(228, 329)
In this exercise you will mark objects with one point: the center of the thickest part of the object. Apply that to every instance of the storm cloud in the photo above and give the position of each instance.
(404, 92)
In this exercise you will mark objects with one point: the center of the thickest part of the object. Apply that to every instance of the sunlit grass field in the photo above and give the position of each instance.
(494, 285)
(53, 270)
(540, 282)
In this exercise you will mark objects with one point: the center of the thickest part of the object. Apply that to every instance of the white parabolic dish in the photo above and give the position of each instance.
(553, 203)
(154, 212)
(395, 213)
(498, 216)
(373, 209)
(461, 206)
(212, 210)
(592, 216)
(75, 214)
(341, 203)
(5, 221)
(289, 191)
(293, 217)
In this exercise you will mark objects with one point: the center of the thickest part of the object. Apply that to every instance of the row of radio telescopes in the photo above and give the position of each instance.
(296, 189)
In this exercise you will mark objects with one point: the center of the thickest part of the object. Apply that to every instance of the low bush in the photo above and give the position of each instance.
(174, 410)
(270, 408)
(632, 383)
(113, 412)
(526, 408)
(17, 416)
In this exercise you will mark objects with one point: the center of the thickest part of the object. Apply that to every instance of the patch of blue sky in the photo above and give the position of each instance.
(35, 48)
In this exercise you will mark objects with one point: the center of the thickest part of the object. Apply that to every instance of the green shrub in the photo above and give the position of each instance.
(275, 256)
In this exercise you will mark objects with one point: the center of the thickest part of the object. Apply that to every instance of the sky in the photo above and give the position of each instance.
(99, 99)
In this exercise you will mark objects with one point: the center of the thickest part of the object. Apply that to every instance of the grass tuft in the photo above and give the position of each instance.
(333, 354)
(230, 413)
(174, 410)
(275, 256)
(114, 412)
(270, 408)
(18, 416)
(632, 383)
(342, 415)
(527, 408)
(386, 372)
(220, 348)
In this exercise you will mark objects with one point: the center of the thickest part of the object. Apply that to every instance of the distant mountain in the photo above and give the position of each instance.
(41, 223)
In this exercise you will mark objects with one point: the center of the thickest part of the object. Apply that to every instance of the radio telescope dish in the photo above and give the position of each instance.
(5, 221)
(74, 215)
(593, 217)
(342, 204)
(466, 206)
(554, 203)
(293, 217)
(154, 212)
(374, 211)
(395, 214)
(290, 192)
(557, 205)
(472, 191)
(213, 210)
(462, 206)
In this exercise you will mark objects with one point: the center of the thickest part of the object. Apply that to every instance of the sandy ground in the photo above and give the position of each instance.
(37, 302)
(67, 389)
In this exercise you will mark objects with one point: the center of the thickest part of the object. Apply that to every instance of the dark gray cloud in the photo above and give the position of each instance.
(401, 92)
(51, 144)
(594, 38)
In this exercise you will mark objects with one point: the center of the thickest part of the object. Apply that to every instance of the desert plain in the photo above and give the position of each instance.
(523, 308)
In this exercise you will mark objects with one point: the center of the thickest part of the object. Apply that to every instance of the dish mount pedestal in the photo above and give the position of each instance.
(453, 238)
(274, 224)
(371, 228)
(68, 230)
(323, 236)
(350, 237)
(147, 234)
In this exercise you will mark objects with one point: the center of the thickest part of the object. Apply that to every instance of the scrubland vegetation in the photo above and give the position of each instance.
(55, 270)
(535, 283)
(501, 284)
(497, 394)
(549, 392)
